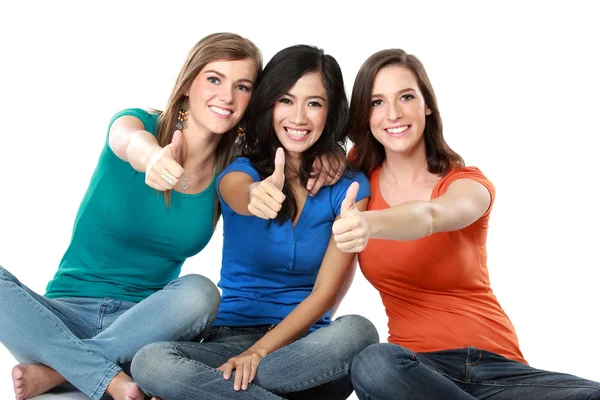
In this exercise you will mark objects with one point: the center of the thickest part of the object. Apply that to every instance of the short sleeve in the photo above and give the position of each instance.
(149, 121)
(472, 173)
(338, 193)
(240, 164)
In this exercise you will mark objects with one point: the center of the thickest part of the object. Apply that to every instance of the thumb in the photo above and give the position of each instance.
(175, 145)
(279, 174)
(348, 203)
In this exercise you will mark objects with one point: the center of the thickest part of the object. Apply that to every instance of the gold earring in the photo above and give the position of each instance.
(182, 116)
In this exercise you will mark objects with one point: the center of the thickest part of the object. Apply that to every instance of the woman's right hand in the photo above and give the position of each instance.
(163, 170)
(267, 196)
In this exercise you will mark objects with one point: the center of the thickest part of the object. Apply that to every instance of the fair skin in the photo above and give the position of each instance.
(218, 98)
(298, 119)
(397, 121)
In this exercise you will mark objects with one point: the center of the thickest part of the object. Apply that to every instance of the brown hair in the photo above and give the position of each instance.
(217, 46)
(369, 153)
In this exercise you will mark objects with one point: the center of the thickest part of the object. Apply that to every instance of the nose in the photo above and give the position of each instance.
(395, 112)
(226, 94)
(299, 115)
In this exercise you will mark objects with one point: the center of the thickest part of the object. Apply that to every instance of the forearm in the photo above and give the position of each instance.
(346, 287)
(298, 322)
(407, 221)
(142, 145)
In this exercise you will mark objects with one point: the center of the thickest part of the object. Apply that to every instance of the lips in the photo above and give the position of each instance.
(220, 112)
(297, 134)
(397, 131)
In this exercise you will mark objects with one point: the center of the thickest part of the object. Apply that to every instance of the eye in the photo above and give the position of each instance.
(376, 103)
(407, 97)
(243, 88)
(314, 104)
(213, 79)
(285, 100)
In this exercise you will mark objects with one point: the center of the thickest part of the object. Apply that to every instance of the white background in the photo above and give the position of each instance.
(517, 86)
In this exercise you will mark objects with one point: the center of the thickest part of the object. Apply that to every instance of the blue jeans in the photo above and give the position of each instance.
(85, 339)
(314, 366)
(387, 371)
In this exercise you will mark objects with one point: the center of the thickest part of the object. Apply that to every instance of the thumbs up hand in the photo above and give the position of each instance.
(163, 169)
(267, 196)
(351, 230)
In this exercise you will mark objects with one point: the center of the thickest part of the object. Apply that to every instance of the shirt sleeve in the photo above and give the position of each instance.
(338, 194)
(474, 174)
(149, 121)
(240, 164)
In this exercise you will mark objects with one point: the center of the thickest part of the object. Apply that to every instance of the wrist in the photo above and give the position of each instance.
(251, 189)
(258, 350)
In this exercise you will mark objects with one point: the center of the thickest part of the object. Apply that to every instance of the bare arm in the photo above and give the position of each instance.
(330, 280)
(464, 202)
(346, 287)
(130, 142)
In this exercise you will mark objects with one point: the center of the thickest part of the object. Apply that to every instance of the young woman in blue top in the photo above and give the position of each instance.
(117, 286)
(282, 274)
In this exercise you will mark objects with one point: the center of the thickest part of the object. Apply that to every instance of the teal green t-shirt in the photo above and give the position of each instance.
(126, 243)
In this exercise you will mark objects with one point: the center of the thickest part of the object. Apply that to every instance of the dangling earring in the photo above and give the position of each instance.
(182, 116)
(241, 136)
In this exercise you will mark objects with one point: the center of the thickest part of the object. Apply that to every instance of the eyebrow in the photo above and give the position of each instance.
(398, 92)
(212, 71)
(310, 97)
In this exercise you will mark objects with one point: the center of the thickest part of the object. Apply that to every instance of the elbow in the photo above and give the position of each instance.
(429, 217)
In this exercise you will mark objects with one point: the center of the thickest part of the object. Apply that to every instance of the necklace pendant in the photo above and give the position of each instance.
(185, 185)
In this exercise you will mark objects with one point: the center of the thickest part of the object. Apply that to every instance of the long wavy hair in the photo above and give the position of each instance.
(261, 142)
(217, 46)
(368, 152)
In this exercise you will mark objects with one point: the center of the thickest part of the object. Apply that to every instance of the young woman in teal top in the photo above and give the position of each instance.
(117, 287)
(281, 274)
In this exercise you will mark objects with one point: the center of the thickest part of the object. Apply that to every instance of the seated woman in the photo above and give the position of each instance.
(282, 273)
(428, 220)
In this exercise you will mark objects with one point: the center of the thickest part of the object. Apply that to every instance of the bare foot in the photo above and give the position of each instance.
(122, 387)
(31, 380)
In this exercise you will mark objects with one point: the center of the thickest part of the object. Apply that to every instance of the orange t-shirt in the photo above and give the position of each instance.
(436, 290)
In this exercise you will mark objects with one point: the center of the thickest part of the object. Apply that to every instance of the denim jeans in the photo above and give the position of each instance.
(387, 371)
(87, 339)
(314, 366)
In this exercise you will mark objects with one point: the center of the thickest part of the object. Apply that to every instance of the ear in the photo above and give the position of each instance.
(427, 110)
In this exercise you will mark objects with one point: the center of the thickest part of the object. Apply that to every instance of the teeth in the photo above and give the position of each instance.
(397, 130)
(220, 111)
(297, 133)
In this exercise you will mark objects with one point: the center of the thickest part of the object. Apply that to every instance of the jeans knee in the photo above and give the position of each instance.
(151, 364)
(378, 365)
(198, 295)
(360, 328)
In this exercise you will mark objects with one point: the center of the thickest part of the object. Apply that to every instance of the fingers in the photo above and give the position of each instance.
(163, 172)
(266, 200)
(310, 184)
(227, 369)
(175, 146)
(349, 202)
(279, 173)
(350, 235)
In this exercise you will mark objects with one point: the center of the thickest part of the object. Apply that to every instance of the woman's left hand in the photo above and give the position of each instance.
(245, 366)
(329, 171)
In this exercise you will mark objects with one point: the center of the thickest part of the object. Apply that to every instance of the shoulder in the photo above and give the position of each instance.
(241, 164)
(148, 118)
(472, 173)
(339, 189)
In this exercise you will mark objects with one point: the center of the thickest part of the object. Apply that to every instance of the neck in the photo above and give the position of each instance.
(406, 168)
(198, 149)
(293, 162)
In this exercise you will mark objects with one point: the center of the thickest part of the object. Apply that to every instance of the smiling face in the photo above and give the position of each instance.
(219, 95)
(300, 114)
(398, 109)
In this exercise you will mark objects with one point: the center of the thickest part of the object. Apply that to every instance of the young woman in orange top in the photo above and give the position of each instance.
(423, 246)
